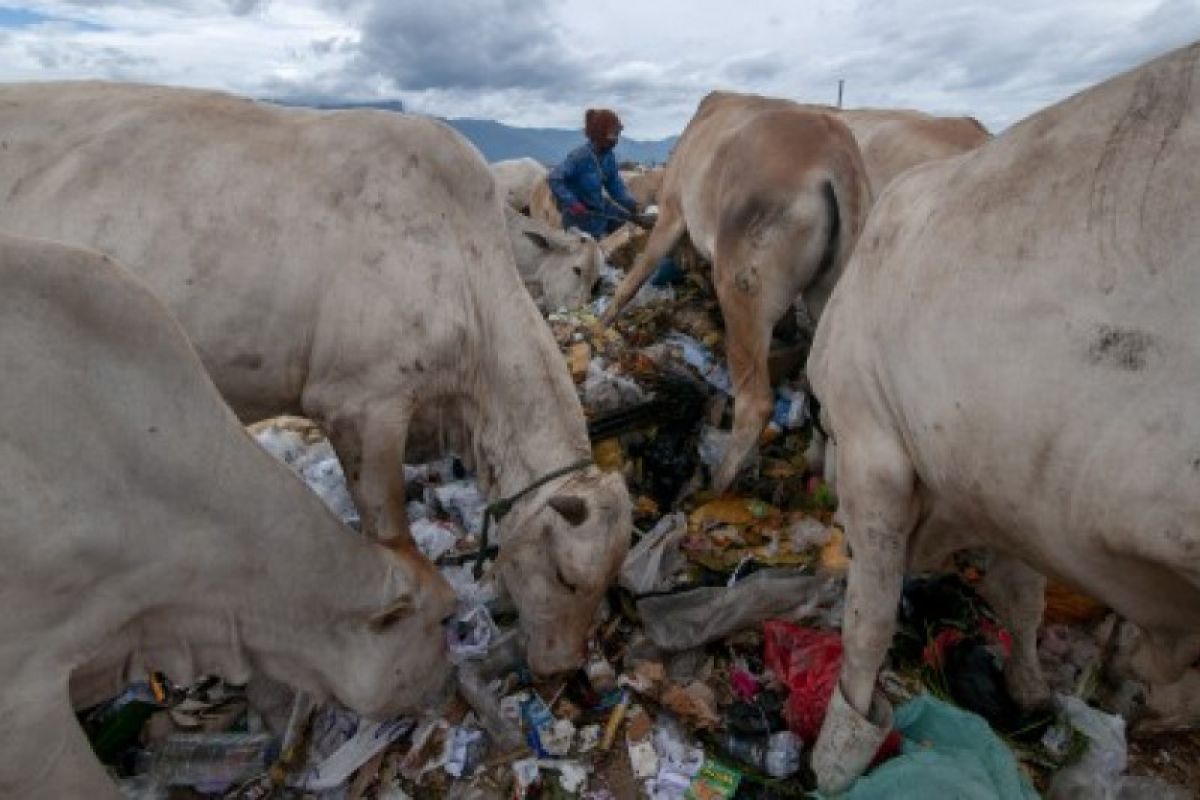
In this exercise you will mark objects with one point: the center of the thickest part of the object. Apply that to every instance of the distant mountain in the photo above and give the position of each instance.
(334, 105)
(498, 141)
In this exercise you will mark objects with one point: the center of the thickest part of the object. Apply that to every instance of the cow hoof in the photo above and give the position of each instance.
(848, 741)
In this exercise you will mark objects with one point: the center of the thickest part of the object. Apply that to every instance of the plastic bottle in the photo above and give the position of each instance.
(778, 755)
(210, 761)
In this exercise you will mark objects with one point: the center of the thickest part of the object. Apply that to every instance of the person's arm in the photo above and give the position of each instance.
(615, 186)
(558, 179)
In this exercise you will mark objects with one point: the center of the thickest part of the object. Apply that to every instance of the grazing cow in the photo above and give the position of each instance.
(559, 268)
(349, 266)
(1012, 360)
(143, 528)
(644, 184)
(773, 194)
(893, 140)
(542, 205)
(515, 178)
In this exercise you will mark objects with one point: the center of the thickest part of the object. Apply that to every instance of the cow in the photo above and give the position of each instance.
(542, 205)
(559, 268)
(516, 177)
(893, 140)
(352, 267)
(1011, 361)
(644, 184)
(143, 528)
(773, 195)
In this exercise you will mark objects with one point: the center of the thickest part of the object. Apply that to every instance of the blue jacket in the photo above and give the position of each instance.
(580, 177)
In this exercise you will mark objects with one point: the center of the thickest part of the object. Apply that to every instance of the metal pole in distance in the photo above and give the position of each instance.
(841, 84)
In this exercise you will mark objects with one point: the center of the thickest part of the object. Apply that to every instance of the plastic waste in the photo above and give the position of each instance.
(141, 787)
(209, 762)
(947, 752)
(114, 726)
(601, 674)
(1097, 771)
(316, 463)
(778, 755)
(331, 764)
(808, 662)
(652, 563)
(471, 633)
(434, 539)
(689, 619)
(475, 691)
(466, 749)
(605, 391)
(643, 759)
(703, 361)
(790, 411)
(462, 501)
(715, 781)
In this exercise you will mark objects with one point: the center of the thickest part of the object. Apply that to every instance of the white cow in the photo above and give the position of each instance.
(893, 140)
(515, 178)
(352, 267)
(773, 194)
(1012, 360)
(559, 268)
(141, 527)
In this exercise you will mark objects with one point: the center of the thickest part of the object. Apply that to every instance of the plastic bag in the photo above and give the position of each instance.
(948, 752)
(434, 539)
(1096, 774)
(651, 564)
(689, 619)
(808, 662)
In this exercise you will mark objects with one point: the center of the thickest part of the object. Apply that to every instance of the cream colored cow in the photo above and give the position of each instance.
(773, 194)
(142, 528)
(352, 267)
(1012, 360)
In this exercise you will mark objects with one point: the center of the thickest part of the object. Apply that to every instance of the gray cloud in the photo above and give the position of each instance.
(1004, 64)
(464, 45)
(243, 7)
(540, 62)
(106, 62)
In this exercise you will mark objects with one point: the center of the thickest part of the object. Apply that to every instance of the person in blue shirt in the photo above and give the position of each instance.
(587, 186)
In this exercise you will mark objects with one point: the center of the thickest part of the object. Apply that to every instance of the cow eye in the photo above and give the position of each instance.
(577, 270)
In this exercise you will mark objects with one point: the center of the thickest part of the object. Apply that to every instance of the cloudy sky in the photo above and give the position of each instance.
(540, 62)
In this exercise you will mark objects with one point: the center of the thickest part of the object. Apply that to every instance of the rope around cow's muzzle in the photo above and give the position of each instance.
(499, 509)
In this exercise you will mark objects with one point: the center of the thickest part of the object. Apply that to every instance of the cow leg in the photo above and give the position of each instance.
(370, 446)
(1171, 707)
(877, 481)
(44, 751)
(666, 234)
(1017, 593)
(751, 302)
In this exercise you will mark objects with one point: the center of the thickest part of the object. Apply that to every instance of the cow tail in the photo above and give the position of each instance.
(847, 198)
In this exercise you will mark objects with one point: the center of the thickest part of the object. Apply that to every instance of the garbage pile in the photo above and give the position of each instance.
(712, 660)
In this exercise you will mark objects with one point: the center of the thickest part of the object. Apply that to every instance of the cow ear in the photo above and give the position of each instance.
(573, 509)
(386, 617)
(538, 239)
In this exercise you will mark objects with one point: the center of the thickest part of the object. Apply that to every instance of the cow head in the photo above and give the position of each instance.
(559, 552)
(570, 264)
(385, 653)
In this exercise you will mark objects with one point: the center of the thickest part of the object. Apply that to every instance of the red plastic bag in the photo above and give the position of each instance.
(808, 662)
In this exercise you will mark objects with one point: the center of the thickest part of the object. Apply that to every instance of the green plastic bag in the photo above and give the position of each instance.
(948, 753)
